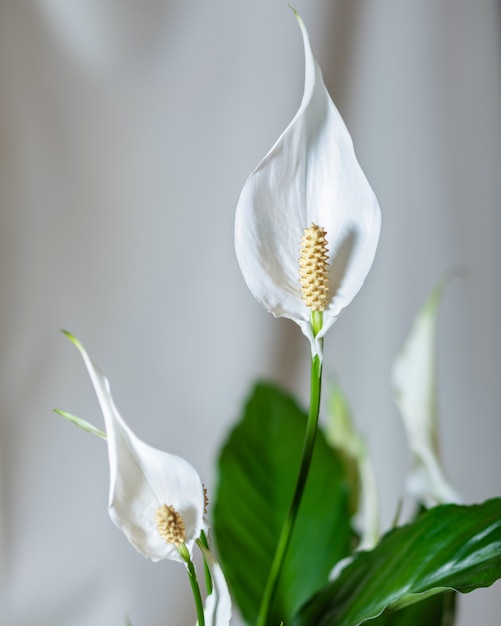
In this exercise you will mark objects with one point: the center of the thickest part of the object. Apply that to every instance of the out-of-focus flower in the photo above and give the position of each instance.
(217, 610)
(156, 498)
(342, 435)
(308, 191)
(415, 387)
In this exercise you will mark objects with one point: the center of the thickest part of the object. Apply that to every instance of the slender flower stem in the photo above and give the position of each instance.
(288, 526)
(203, 542)
(192, 574)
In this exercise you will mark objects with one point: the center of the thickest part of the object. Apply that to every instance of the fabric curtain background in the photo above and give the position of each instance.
(126, 132)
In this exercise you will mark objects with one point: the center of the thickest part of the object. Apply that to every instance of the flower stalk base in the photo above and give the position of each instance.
(288, 526)
(195, 587)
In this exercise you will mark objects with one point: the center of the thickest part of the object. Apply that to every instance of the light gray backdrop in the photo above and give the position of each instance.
(126, 132)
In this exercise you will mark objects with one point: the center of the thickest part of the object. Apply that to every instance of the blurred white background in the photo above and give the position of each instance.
(126, 132)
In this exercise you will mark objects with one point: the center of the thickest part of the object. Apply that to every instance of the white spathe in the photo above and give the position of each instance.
(143, 478)
(311, 174)
(415, 389)
(217, 609)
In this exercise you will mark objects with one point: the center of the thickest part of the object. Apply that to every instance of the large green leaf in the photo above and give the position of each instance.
(257, 473)
(448, 547)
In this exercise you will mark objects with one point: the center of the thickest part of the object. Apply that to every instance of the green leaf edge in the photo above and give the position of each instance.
(405, 599)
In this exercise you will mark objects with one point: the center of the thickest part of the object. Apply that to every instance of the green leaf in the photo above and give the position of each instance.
(258, 468)
(81, 423)
(437, 610)
(447, 547)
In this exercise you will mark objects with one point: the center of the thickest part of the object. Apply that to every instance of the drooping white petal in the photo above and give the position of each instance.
(311, 174)
(414, 385)
(217, 608)
(143, 478)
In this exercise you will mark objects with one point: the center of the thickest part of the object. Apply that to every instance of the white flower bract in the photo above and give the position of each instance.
(143, 478)
(414, 386)
(217, 608)
(310, 175)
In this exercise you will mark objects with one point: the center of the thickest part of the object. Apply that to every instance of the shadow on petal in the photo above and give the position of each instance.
(340, 263)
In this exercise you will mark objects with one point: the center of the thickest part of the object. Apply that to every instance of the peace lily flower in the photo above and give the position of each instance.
(414, 385)
(156, 499)
(308, 191)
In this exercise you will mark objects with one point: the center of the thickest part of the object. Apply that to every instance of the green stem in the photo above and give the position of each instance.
(208, 578)
(192, 574)
(288, 526)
